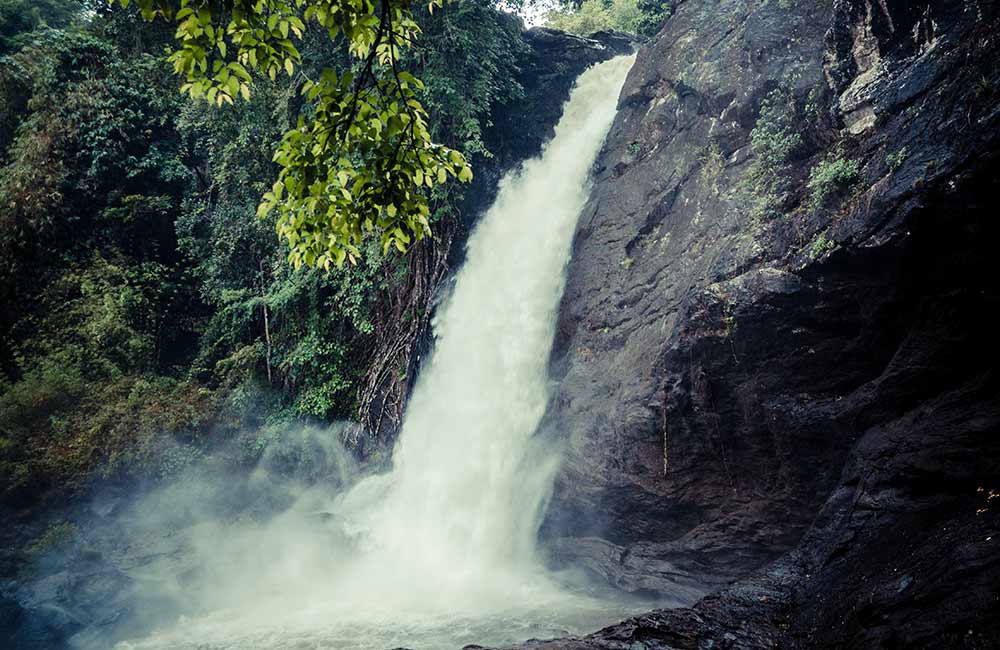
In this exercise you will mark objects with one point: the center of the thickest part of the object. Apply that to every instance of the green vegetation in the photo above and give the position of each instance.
(149, 313)
(775, 142)
(54, 536)
(21, 17)
(788, 132)
(828, 178)
(361, 158)
(895, 160)
(713, 163)
(821, 246)
(638, 17)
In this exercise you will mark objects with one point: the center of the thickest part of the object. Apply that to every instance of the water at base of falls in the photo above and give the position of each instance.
(440, 551)
(443, 631)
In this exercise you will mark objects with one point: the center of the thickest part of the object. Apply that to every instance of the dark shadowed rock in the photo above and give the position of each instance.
(520, 129)
(809, 398)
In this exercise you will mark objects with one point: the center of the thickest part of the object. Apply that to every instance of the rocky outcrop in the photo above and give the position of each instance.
(557, 60)
(774, 359)
(519, 130)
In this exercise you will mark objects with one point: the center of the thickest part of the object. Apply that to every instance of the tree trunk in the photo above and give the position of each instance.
(267, 325)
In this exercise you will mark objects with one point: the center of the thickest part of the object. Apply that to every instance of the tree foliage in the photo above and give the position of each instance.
(638, 17)
(20, 17)
(95, 166)
(362, 159)
(285, 329)
(470, 59)
(148, 312)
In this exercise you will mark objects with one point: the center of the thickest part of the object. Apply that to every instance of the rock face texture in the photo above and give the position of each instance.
(775, 360)
(557, 60)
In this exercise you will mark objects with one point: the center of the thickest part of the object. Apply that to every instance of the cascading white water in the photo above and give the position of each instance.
(449, 533)
(459, 511)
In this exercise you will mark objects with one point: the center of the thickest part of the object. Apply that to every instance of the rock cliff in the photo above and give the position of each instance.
(775, 356)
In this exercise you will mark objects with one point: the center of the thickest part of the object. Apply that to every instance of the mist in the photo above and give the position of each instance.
(309, 551)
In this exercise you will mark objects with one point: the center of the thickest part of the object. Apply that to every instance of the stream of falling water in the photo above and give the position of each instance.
(440, 551)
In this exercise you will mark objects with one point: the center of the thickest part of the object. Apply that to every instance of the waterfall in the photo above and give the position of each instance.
(446, 539)
(461, 506)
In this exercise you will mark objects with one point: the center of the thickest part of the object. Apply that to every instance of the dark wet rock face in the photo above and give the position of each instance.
(802, 397)
(519, 130)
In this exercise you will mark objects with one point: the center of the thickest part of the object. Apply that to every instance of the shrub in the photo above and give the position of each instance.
(638, 17)
(775, 142)
(821, 246)
(54, 537)
(713, 163)
(896, 160)
(829, 178)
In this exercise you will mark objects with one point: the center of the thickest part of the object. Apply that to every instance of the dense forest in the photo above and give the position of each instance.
(161, 317)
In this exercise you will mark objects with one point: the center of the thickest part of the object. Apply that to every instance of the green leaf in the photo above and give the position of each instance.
(362, 155)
